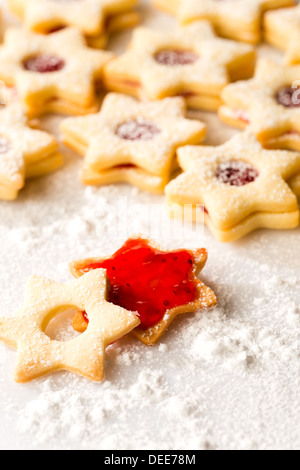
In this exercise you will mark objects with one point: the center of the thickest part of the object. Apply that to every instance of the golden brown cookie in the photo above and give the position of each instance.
(158, 284)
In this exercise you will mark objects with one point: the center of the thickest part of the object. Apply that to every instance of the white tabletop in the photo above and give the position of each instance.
(228, 379)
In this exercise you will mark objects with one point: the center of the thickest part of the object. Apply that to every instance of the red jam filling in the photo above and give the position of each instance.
(138, 129)
(242, 116)
(44, 64)
(148, 281)
(236, 173)
(288, 97)
(174, 57)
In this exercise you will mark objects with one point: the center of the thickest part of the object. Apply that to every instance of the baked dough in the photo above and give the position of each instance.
(190, 62)
(38, 355)
(25, 152)
(282, 30)
(241, 186)
(205, 297)
(268, 105)
(96, 19)
(132, 142)
(57, 72)
(235, 19)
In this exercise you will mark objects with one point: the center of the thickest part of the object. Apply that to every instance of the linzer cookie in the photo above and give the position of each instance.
(97, 19)
(269, 104)
(190, 62)
(282, 30)
(132, 142)
(241, 187)
(56, 73)
(24, 152)
(38, 354)
(158, 285)
(236, 19)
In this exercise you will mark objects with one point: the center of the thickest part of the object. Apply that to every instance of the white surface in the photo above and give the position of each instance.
(228, 379)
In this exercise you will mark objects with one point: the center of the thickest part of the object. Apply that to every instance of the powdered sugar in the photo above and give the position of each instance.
(226, 379)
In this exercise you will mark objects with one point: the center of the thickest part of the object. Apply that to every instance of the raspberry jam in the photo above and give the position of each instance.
(148, 281)
(236, 173)
(288, 97)
(44, 64)
(138, 129)
(173, 57)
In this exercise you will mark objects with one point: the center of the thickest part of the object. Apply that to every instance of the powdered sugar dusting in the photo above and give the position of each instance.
(227, 379)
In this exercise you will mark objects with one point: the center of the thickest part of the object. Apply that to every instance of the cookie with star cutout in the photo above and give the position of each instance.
(240, 185)
(190, 62)
(159, 285)
(132, 142)
(24, 152)
(282, 30)
(235, 19)
(38, 354)
(55, 73)
(96, 19)
(268, 104)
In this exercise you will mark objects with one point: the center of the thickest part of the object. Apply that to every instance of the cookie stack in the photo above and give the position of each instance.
(24, 152)
(251, 181)
(190, 61)
(241, 21)
(97, 19)
(239, 185)
(136, 139)
(132, 142)
(54, 73)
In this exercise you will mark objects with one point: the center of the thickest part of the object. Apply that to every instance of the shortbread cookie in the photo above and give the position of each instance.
(25, 152)
(158, 284)
(241, 186)
(294, 184)
(96, 19)
(236, 19)
(57, 72)
(269, 104)
(38, 355)
(132, 142)
(282, 30)
(114, 25)
(190, 62)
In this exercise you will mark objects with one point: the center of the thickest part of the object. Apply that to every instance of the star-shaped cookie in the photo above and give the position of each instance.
(57, 72)
(94, 18)
(242, 186)
(38, 355)
(268, 104)
(159, 284)
(282, 30)
(189, 61)
(133, 142)
(236, 19)
(24, 152)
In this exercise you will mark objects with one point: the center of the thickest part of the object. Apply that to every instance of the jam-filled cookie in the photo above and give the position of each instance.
(55, 73)
(268, 104)
(97, 19)
(282, 30)
(236, 19)
(132, 142)
(158, 285)
(239, 186)
(24, 152)
(189, 61)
